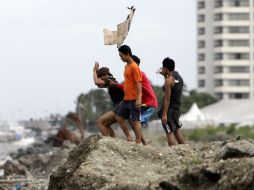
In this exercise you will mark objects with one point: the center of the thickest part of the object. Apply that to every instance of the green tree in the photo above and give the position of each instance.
(202, 100)
(92, 105)
(159, 94)
(188, 98)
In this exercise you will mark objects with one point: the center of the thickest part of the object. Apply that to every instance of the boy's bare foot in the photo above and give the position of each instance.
(129, 139)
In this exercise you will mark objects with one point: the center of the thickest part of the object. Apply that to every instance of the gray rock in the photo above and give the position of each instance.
(236, 150)
(237, 174)
(106, 163)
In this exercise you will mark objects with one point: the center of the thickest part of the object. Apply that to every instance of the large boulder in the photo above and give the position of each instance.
(106, 163)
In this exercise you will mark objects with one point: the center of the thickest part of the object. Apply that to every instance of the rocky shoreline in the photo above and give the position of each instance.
(106, 163)
(32, 165)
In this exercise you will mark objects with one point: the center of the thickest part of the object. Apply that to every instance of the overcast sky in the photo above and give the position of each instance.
(48, 48)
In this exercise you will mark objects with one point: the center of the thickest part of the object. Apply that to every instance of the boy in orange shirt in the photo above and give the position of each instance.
(130, 107)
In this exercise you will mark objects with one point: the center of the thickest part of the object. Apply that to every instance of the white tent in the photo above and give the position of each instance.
(194, 118)
(194, 114)
(230, 111)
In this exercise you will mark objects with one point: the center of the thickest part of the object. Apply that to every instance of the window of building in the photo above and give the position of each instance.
(201, 18)
(218, 69)
(218, 43)
(218, 56)
(238, 16)
(238, 43)
(238, 56)
(218, 82)
(218, 3)
(239, 69)
(201, 83)
(218, 30)
(201, 56)
(238, 3)
(201, 70)
(201, 31)
(218, 17)
(239, 82)
(244, 3)
(238, 95)
(236, 29)
(201, 5)
(201, 44)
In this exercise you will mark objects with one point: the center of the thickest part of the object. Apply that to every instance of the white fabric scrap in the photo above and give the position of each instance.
(118, 36)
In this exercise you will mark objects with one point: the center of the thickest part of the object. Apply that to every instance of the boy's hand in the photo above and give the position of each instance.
(112, 83)
(164, 119)
(96, 66)
(138, 103)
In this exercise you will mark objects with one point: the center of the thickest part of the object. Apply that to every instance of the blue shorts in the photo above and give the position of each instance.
(146, 113)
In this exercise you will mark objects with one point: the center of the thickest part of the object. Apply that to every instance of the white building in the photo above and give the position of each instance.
(225, 48)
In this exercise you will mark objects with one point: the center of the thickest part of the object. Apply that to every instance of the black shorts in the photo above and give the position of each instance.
(127, 109)
(173, 123)
(115, 108)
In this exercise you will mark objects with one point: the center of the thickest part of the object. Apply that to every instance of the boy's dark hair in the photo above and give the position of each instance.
(103, 71)
(136, 59)
(125, 50)
(169, 64)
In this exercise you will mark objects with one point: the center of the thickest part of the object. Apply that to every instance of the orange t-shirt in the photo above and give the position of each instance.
(132, 76)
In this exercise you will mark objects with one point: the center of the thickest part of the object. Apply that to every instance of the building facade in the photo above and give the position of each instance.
(225, 48)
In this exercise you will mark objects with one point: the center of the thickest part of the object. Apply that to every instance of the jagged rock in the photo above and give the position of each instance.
(106, 163)
(168, 186)
(213, 176)
(33, 166)
(235, 174)
(215, 151)
(12, 167)
(236, 150)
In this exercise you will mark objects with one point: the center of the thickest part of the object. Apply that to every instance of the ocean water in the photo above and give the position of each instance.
(13, 130)
(8, 147)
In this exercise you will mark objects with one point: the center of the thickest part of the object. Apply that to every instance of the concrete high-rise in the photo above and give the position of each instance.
(225, 48)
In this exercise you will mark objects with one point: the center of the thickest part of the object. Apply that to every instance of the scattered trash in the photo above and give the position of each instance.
(18, 186)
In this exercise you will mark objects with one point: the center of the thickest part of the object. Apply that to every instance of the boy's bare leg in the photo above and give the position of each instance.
(143, 139)
(104, 121)
(102, 127)
(111, 132)
(142, 135)
(124, 127)
(137, 130)
(171, 140)
(179, 137)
